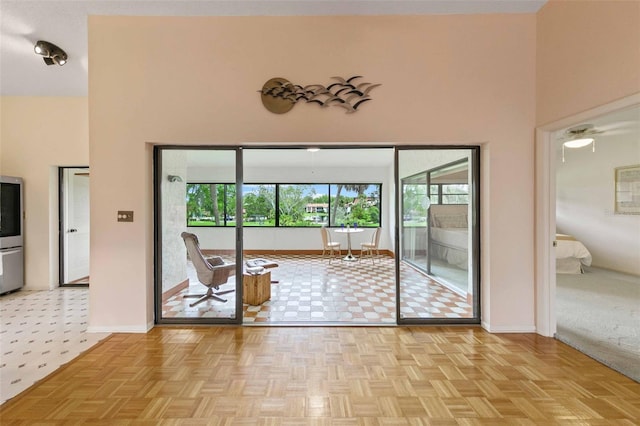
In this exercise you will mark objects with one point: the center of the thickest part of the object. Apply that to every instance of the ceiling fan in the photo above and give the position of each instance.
(623, 123)
(579, 136)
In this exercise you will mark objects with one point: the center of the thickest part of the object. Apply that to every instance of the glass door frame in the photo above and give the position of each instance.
(474, 194)
(157, 215)
(474, 197)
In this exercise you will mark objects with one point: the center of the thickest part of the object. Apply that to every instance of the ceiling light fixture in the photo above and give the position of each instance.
(52, 54)
(579, 137)
(579, 143)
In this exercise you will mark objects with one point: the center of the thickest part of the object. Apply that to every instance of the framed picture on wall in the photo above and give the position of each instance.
(627, 190)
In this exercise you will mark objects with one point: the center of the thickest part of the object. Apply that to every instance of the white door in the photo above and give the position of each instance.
(75, 225)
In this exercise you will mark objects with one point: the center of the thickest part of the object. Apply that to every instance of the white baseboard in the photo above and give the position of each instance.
(121, 329)
(509, 329)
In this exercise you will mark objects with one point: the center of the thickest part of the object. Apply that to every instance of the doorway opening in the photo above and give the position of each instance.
(252, 206)
(74, 218)
(597, 225)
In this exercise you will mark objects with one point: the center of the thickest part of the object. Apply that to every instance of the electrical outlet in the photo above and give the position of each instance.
(125, 216)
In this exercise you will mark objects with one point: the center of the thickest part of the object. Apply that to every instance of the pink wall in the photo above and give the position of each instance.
(445, 79)
(38, 134)
(588, 54)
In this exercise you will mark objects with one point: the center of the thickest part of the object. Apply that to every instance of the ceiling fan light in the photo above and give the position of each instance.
(578, 143)
(60, 59)
(51, 53)
(40, 48)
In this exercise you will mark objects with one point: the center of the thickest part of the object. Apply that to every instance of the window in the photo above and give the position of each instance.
(259, 205)
(285, 205)
(449, 193)
(414, 205)
(211, 204)
(355, 204)
(449, 183)
(303, 205)
(455, 194)
(434, 194)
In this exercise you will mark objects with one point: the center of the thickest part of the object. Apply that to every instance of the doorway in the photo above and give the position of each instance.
(597, 217)
(74, 226)
(439, 234)
(273, 203)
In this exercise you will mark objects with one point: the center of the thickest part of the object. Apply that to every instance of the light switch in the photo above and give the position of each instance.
(125, 216)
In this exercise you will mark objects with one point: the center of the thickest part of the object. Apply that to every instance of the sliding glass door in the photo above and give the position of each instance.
(197, 236)
(221, 206)
(438, 237)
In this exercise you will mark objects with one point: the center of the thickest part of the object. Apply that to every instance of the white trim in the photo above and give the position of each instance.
(509, 328)
(54, 249)
(545, 207)
(545, 226)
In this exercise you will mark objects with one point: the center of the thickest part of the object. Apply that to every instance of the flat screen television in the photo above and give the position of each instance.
(11, 212)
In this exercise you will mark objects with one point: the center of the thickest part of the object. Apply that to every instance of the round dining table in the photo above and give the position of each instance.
(349, 257)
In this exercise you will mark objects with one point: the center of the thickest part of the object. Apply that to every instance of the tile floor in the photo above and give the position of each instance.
(40, 331)
(310, 289)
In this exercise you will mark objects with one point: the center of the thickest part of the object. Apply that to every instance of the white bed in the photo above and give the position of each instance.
(571, 255)
(450, 234)
(450, 244)
(449, 231)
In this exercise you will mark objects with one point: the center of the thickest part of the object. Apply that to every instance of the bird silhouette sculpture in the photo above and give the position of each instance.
(346, 93)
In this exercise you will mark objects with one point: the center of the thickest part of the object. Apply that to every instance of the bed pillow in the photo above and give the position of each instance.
(452, 221)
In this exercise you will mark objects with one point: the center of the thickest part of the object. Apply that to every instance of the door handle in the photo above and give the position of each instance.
(73, 230)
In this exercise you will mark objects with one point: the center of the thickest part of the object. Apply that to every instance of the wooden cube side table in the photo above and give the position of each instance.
(256, 289)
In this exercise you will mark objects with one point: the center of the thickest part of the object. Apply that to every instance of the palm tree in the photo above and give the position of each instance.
(358, 188)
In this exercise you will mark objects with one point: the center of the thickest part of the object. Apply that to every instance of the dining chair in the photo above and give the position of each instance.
(368, 248)
(328, 245)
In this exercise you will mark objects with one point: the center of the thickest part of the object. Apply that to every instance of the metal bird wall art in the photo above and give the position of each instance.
(279, 95)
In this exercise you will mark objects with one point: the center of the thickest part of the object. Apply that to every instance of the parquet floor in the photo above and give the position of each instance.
(328, 376)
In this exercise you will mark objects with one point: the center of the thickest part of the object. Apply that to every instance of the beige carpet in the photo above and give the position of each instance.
(598, 313)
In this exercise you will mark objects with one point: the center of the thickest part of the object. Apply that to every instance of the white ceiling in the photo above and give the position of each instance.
(64, 23)
(295, 158)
